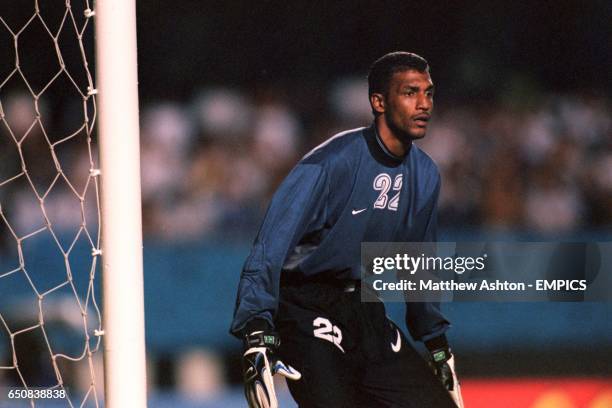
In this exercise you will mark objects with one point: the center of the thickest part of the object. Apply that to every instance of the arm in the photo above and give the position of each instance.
(427, 323)
(424, 320)
(296, 206)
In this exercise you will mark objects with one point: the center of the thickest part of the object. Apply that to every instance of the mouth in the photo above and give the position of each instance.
(421, 120)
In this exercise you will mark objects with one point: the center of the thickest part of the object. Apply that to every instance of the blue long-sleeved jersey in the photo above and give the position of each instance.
(346, 191)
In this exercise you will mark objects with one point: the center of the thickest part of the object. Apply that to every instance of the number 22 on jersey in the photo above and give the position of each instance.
(384, 184)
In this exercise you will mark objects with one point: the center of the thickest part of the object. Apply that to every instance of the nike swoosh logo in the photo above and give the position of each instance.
(398, 343)
(354, 212)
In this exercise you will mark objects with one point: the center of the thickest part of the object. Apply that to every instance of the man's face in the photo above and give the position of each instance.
(408, 103)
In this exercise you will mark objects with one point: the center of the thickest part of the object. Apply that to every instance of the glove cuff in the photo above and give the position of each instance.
(441, 356)
(262, 339)
(439, 349)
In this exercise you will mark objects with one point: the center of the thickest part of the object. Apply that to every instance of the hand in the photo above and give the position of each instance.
(260, 365)
(443, 364)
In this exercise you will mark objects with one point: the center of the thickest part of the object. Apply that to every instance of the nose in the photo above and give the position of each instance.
(424, 102)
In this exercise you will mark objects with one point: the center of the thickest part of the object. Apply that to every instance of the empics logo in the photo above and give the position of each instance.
(560, 284)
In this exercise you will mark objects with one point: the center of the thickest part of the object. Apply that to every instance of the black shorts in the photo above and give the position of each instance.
(349, 353)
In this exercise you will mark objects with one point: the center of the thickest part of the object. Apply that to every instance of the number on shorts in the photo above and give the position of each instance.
(325, 330)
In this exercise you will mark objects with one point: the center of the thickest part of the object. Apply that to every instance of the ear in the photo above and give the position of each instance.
(377, 101)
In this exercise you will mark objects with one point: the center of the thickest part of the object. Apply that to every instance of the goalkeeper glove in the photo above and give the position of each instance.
(260, 365)
(443, 365)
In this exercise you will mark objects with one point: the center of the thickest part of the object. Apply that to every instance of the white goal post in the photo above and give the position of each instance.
(55, 226)
(122, 276)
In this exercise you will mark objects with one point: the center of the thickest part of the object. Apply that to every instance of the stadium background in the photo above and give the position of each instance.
(232, 95)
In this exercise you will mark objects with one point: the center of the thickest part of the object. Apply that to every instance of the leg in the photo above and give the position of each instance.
(318, 340)
(327, 379)
(400, 378)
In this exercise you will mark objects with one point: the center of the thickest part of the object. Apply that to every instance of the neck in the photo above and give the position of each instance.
(392, 141)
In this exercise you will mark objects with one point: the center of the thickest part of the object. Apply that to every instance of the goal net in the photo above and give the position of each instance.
(50, 322)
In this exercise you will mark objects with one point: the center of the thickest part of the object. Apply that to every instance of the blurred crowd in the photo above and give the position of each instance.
(210, 165)
(546, 168)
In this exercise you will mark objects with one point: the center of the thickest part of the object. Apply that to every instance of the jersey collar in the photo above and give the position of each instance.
(378, 149)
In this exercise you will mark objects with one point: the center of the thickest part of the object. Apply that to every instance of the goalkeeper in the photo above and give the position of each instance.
(299, 306)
